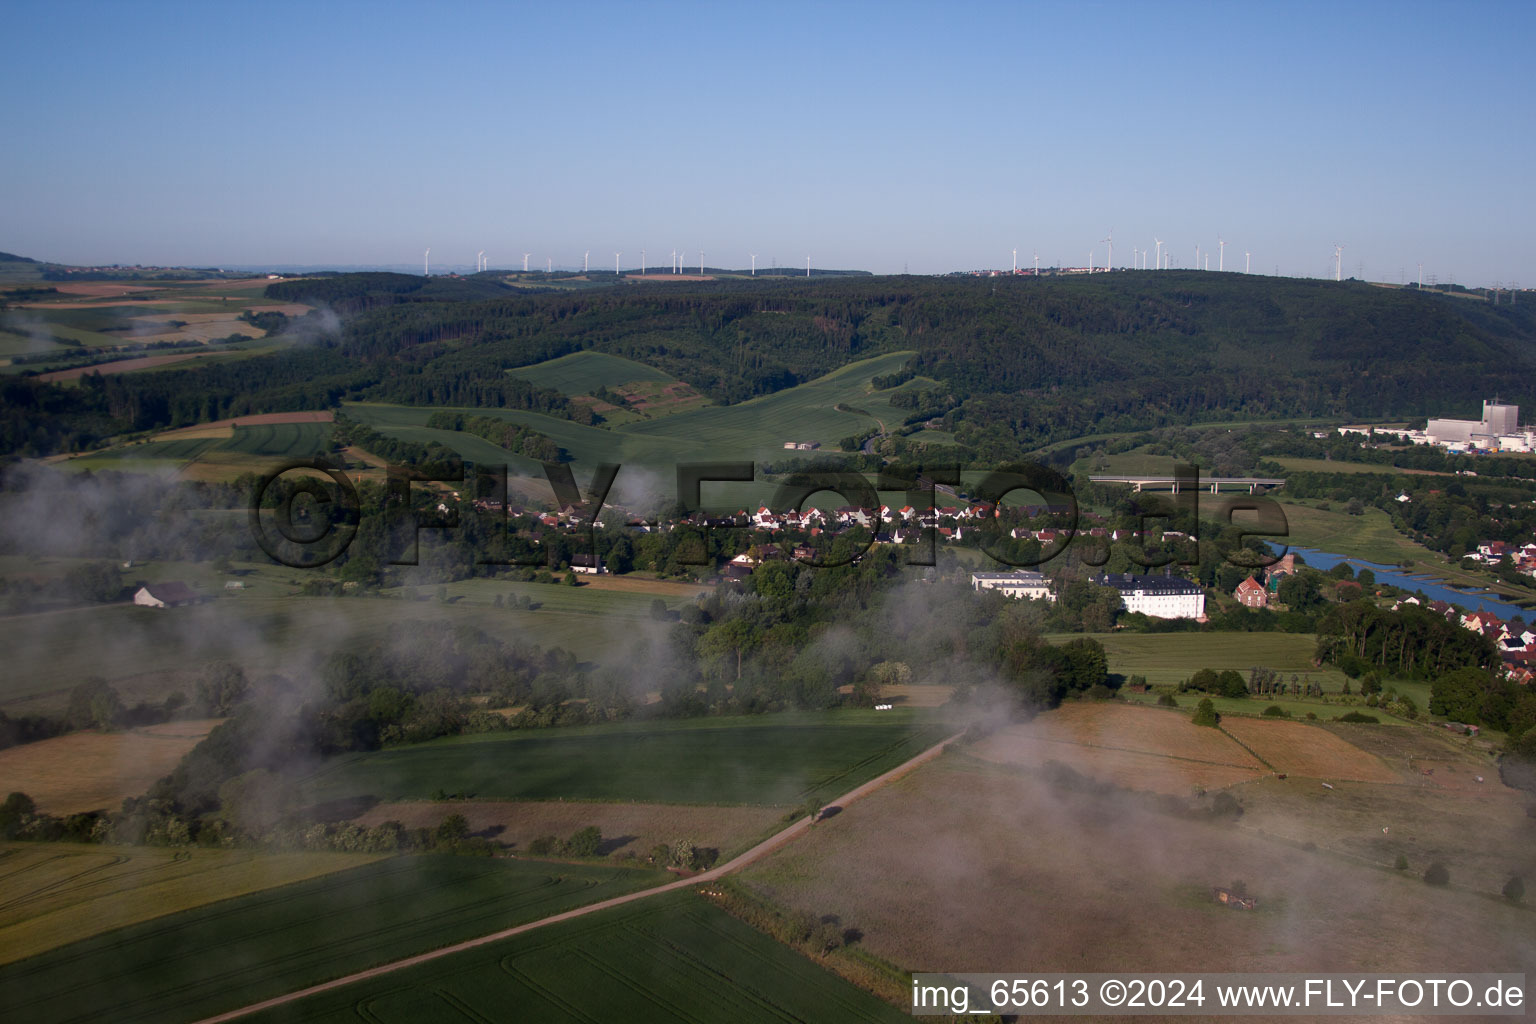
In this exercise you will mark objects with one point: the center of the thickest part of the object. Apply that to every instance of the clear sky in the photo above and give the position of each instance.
(933, 136)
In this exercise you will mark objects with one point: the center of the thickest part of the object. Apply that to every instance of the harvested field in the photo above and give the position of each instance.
(960, 866)
(641, 585)
(90, 771)
(56, 893)
(1484, 840)
(1299, 749)
(311, 416)
(649, 397)
(1145, 749)
(121, 366)
(626, 828)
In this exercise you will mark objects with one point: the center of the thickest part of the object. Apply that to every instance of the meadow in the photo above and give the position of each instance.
(674, 957)
(772, 760)
(582, 373)
(52, 894)
(1171, 658)
(240, 950)
(270, 627)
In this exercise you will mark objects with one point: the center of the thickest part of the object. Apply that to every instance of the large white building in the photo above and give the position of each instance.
(1498, 420)
(1023, 583)
(1162, 597)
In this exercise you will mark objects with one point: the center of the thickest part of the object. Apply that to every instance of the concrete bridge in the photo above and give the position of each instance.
(1252, 483)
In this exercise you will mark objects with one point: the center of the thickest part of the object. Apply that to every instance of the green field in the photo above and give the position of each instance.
(582, 373)
(1335, 466)
(762, 760)
(241, 950)
(294, 440)
(667, 959)
(1170, 658)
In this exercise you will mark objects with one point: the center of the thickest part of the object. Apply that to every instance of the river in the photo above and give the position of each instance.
(1434, 590)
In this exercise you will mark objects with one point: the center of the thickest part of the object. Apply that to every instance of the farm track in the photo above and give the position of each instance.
(757, 852)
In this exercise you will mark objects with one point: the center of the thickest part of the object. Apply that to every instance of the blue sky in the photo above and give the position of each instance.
(877, 136)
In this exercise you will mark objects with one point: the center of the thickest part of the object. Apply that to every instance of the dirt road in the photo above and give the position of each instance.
(735, 864)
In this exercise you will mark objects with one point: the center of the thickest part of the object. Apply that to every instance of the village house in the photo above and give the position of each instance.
(1251, 594)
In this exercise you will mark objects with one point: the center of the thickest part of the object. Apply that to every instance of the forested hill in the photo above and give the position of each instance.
(1018, 361)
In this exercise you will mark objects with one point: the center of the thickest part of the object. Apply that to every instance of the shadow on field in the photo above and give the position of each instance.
(614, 843)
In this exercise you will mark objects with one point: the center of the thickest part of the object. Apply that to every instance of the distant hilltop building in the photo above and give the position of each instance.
(1161, 597)
(1499, 421)
(1026, 584)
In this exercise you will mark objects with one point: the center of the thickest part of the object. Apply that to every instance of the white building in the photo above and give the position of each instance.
(1032, 585)
(1498, 419)
(1162, 597)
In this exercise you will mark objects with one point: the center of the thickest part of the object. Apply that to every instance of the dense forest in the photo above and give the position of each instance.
(1019, 362)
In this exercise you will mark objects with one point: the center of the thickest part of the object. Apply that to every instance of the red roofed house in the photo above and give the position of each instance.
(1251, 594)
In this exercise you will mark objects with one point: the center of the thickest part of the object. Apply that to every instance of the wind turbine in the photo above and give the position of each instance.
(1090, 261)
(1338, 262)
(1421, 277)
(807, 266)
(1135, 257)
(754, 264)
(549, 264)
(1037, 264)
(1197, 256)
(701, 262)
(525, 261)
(1159, 242)
(426, 263)
(642, 262)
(1221, 259)
(480, 261)
(584, 260)
(1015, 259)
(616, 263)
(1247, 261)
(1109, 262)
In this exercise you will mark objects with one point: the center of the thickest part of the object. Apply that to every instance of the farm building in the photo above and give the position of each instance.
(1032, 585)
(1162, 597)
(1251, 594)
(172, 594)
